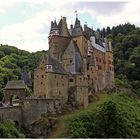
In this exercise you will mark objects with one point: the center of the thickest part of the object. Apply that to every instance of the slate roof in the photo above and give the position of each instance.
(26, 78)
(19, 84)
(88, 32)
(77, 30)
(62, 25)
(77, 59)
(53, 26)
(56, 65)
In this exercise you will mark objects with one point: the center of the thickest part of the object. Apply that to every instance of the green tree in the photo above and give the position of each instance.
(8, 130)
(109, 123)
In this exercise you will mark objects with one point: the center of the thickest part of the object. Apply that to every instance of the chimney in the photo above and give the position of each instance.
(71, 26)
(85, 27)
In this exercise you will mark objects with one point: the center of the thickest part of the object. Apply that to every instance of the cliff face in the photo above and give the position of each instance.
(42, 127)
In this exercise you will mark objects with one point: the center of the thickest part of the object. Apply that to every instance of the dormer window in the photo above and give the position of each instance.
(48, 68)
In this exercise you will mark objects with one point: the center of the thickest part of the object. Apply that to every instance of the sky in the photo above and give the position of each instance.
(26, 23)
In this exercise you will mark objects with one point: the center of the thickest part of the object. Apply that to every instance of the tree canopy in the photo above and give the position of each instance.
(13, 62)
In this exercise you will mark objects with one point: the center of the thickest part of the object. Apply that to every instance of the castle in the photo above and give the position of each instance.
(78, 64)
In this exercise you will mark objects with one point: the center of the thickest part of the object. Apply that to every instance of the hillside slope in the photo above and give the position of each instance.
(112, 116)
(61, 130)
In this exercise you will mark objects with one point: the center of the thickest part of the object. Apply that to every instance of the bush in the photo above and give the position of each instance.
(136, 87)
(119, 117)
(8, 130)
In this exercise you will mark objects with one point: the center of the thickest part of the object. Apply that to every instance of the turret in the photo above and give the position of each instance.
(54, 29)
(77, 30)
(63, 27)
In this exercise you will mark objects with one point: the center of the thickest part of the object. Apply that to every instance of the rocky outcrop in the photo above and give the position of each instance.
(42, 127)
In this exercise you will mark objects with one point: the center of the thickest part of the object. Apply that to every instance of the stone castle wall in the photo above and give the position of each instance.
(31, 110)
(11, 113)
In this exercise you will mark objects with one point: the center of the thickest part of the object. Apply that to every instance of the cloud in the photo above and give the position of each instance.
(23, 12)
(102, 8)
(28, 34)
(32, 34)
(130, 13)
(2, 10)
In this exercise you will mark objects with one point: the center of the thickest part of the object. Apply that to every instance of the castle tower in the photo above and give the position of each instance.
(109, 65)
(63, 27)
(59, 38)
(54, 29)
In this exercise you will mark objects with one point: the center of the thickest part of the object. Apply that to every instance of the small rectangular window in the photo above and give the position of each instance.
(99, 67)
(97, 59)
(70, 80)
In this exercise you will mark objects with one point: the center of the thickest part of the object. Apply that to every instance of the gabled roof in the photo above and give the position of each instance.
(19, 84)
(56, 65)
(77, 58)
(77, 30)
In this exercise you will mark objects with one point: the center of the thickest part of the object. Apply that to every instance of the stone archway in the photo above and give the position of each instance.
(14, 100)
(14, 89)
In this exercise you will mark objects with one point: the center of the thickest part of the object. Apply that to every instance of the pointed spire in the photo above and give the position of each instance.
(63, 27)
(77, 30)
(76, 13)
(55, 24)
(77, 21)
(54, 29)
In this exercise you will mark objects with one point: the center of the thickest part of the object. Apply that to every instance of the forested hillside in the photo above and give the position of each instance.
(13, 62)
(117, 117)
(126, 44)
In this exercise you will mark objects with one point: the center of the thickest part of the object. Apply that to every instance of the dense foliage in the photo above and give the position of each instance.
(13, 62)
(119, 117)
(126, 45)
(8, 130)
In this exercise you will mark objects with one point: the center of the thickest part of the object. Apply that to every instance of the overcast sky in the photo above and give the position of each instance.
(26, 23)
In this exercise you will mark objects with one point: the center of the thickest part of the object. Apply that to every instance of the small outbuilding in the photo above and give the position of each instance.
(14, 90)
